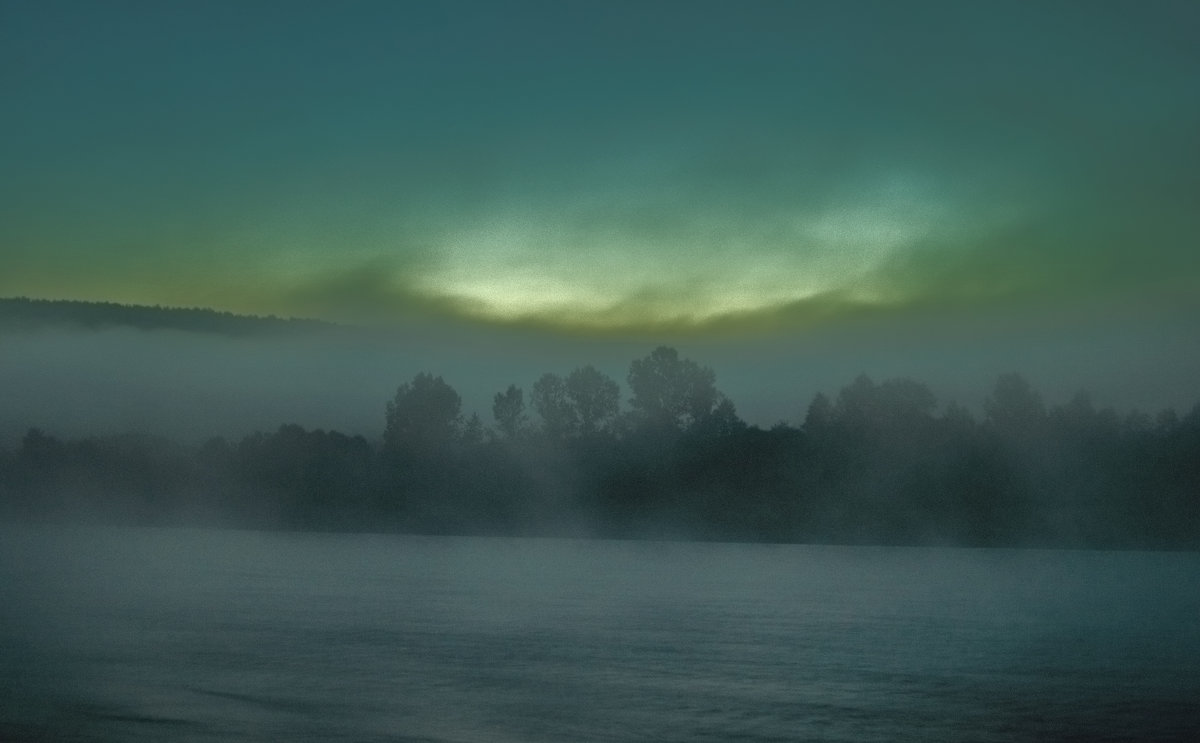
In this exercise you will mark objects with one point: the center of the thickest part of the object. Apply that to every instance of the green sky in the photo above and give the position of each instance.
(602, 167)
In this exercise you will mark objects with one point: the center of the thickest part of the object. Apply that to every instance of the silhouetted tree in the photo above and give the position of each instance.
(1014, 407)
(958, 418)
(721, 423)
(596, 398)
(40, 449)
(903, 402)
(819, 416)
(553, 405)
(873, 465)
(472, 432)
(308, 479)
(424, 413)
(895, 403)
(857, 404)
(671, 391)
(508, 408)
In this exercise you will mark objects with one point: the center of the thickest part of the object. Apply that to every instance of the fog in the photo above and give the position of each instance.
(193, 385)
(710, 371)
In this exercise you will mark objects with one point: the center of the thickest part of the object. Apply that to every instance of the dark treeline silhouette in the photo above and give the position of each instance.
(22, 313)
(876, 464)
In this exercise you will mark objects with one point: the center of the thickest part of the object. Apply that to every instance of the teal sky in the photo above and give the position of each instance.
(616, 168)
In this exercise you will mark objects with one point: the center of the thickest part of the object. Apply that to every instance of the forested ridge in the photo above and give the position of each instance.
(875, 463)
(26, 313)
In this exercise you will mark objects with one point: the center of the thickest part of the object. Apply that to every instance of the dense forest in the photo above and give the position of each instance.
(24, 313)
(876, 463)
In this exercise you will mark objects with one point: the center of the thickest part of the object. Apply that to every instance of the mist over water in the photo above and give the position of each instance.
(942, 255)
(192, 635)
(191, 386)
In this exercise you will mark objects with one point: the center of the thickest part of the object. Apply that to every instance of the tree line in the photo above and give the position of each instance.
(23, 313)
(876, 463)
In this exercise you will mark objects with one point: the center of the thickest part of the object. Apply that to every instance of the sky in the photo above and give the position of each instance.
(905, 186)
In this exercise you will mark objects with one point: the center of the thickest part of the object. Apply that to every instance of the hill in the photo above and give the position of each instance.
(21, 313)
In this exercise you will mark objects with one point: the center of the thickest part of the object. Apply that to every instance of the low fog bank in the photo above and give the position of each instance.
(872, 463)
(192, 386)
(80, 380)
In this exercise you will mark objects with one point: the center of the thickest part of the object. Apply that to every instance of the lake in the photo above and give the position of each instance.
(129, 634)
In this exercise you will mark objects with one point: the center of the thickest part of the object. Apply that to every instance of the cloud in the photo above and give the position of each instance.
(381, 290)
(941, 155)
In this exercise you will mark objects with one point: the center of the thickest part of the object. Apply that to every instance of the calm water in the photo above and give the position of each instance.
(182, 635)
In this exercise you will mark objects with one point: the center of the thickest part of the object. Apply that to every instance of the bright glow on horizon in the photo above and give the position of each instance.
(394, 164)
(571, 273)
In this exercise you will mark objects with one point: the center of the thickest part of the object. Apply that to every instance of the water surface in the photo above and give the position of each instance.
(111, 634)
